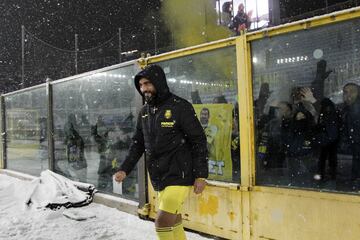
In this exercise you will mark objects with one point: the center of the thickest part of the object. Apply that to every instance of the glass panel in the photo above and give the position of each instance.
(208, 81)
(307, 108)
(93, 122)
(26, 128)
(1, 145)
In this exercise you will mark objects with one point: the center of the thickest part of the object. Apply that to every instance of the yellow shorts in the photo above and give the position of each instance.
(172, 198)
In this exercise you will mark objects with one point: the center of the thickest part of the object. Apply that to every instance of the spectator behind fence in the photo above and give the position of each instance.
(101, 136)
(271, 147)
(326, 134)
(235, 145)
(297, 139)
(75, 149)
(241, 21)
(350, 127)
(226, 14)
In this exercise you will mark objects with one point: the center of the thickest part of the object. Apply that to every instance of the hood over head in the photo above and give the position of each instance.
(155, 74)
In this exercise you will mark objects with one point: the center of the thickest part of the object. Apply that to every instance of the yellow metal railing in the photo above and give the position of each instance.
(248, 195)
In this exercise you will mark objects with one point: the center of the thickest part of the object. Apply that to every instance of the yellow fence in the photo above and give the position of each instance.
(253, 210)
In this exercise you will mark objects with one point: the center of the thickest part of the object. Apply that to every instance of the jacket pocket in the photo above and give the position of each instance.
(184, 161)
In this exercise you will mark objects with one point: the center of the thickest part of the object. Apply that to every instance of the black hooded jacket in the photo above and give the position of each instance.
(170, 134)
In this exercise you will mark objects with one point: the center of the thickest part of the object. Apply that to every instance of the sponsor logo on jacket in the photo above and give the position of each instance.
(168, 114)
(167, 124)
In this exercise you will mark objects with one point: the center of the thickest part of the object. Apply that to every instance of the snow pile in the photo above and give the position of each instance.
(18, 222)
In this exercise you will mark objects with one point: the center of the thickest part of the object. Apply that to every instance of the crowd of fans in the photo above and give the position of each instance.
(309, 130)
(238, 23)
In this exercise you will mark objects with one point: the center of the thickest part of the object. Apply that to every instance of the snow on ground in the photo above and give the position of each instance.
(19, 221)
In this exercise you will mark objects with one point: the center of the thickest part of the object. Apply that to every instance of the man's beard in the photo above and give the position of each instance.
(148, 96)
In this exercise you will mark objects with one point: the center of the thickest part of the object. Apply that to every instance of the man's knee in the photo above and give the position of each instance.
(178, 219)
(166, 219)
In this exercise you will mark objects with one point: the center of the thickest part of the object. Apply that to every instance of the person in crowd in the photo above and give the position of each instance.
(235, 145)
(43, 129)
(100, 132)
(350, 127)
(119, 143)
(174, 143)
(241, 21)
(85, 129)
(226, 14)
(220, 99)
(195, 97)
(326, 136)
(262, 120)
(75, 147)
(325, 132)
(259, 104)
(297, 138)
(271, 150)
(43, 147)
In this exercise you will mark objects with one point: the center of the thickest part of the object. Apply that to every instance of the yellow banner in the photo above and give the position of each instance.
(216, 120)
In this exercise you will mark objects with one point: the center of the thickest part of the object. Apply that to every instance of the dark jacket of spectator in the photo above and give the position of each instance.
(240, 21)
(351, 122)
(297, 135)
(327, 128)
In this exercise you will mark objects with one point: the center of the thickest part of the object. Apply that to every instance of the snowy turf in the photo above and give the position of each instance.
(95, 221)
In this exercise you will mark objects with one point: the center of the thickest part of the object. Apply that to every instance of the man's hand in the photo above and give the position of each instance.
(199, 185)
(120, 176)
(308, 95)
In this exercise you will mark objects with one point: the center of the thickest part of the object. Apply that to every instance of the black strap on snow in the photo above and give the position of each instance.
(90, 191)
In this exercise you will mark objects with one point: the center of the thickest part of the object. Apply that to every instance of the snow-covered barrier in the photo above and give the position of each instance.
(53, 191)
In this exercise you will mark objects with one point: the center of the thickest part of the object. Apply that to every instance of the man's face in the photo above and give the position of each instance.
(204, 117)
(147, 88)
(241, 8)
(350, 94)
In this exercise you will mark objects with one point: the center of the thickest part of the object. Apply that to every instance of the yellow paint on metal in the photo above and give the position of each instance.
(246, 129)
(142, 62)
(192, 50)
(209, 205)
(257, 212)
(217, 211)
(319, 196)
(231, 216)
(306, 24)
(144, 211)
(245, 109)
(292, 217)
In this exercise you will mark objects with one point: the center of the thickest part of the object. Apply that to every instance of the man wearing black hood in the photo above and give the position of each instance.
(174, 143)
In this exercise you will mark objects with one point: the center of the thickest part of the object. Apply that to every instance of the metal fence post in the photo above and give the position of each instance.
(76, 53)
(22, 56)
(50, 125)
(3, 132)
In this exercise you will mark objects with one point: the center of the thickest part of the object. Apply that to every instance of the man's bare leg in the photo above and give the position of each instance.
(164, 224)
